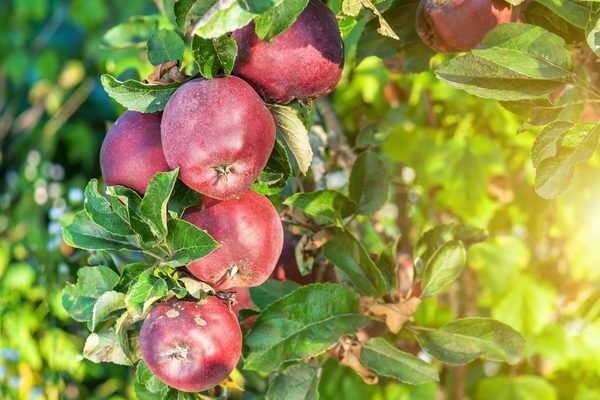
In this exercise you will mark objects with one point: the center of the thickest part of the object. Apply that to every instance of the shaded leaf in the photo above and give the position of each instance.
(328, 204)
(271, 291)
(138, 96)
(369, 183)
(296, 382)
(295, 134)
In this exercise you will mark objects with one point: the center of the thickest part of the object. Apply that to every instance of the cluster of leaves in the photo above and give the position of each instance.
(520, 65)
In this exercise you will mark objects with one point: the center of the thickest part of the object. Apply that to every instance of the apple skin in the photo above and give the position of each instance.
(449, 26)
(191, 346)
(303, 62)
(131, 153)
(250, 235)
(219, 133)
(243, 301)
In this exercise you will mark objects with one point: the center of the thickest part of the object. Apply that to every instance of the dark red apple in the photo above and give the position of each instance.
(250, 235)
(459, 25)
(287, 267)
(191, 346)
(303, 62)
(219, 133)
(131, 152)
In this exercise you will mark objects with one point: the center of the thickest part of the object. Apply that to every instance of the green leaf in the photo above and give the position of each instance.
(349, 255)
(302, 324)
(151, 383)
(187, 243)
(92, 282)
(384, 359)
(83, 233)
(524, 387)
(229, 15)
(433, 239)
(106, 304)
(271, 291)
(278, 19)
(165, 45)
(188, 11)
(138, 96)
(328, 204)
(575, 13)
(443, 268)
(143, 292)
(274, 177)
(369, 183)
(133, 33)
(214, 56)
(295, 134)
(182, 198)
(296, 382)
(100, 211)
(514, 62)
(154, 204)
(557, 150)
(388, 264)
(464, 340)
(104, 347)
(126, 203)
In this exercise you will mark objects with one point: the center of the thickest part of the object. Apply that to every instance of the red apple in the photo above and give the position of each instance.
(303, 62)
(131, 153)
(250, 235)
(459, 25)
(243, 301)
(219, 133)
(191, 346)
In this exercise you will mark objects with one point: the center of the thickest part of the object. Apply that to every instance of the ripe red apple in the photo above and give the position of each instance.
(243, 301)
(219, 133)
(191, 346)
(303, 62)
(131, 152)
(250, 235)
(459, 25)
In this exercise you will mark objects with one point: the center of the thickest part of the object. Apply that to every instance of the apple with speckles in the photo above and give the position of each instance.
(250, 237)
(191, 346)
(132, 153)
(219, 133)
(304, 62)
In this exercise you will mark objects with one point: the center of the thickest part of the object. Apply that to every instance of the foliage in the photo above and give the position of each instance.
(456, 205)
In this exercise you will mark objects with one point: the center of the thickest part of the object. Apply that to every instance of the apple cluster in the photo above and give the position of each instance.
(220, 134)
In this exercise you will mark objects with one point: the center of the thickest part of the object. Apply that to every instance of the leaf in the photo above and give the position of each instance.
(274, 177)
(296, 382)
(188, 11)
(151, 383)
(229, 15)
(295, 134)
(302, 324)
(514, 62)
(100, 211)
(106, 304)
(83, 233)
(384, 359)
(349, 255)
(165, 45)
(433, 239)
(577, 14)
(138, 96)
(79, 299)
(384, 28)
(328, 204)
(278, 19)
(133, 33)
(154, 204)
(464, 340)
(271, 291)
(144, 291)
(556, 154)
(443, 268)
(387, 263)
(104, 347)
(182, 198)
(187, 243)
(369, 183)
(127, 203)
(214, 55)
(524, 387)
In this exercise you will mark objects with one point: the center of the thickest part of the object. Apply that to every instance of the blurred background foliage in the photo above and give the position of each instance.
(455, 157)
